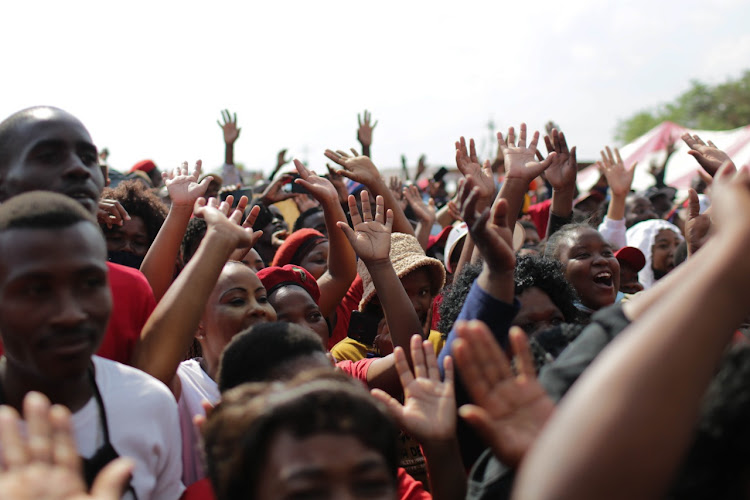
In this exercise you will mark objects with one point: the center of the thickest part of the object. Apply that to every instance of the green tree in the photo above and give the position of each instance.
(718, 107)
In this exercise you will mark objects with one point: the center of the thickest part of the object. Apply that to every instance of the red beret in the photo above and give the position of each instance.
(144, 166)
(296, 246)
(275, 277)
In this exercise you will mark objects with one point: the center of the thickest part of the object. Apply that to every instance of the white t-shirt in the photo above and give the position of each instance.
(197, 387)
(143, 425)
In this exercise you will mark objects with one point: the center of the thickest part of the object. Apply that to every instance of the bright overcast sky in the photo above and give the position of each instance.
(149, 79)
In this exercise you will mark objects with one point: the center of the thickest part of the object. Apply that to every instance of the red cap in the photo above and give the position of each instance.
(275, 277)
(632, 257)
(299, 242)
(439, 238)
(144, 166)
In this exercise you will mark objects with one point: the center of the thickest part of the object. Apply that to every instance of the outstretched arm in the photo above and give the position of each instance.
(521, 168)
(561, 174)
(342, 261)
(184, 189)
(429, 415)
(169, 331)
(620, 179)
(425, 212)
(650, 381)
(360, 168)
(371, 239)
(364, 132)
(708, 155)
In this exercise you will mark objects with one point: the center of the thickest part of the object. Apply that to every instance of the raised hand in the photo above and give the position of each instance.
(274, 194)
(563, 169)
(425, 212)
(421, 166)
(509, 411)
(708, 155)
(371, 239)
(43, 462)
(619, 178)
(221, 219)
(468, 164)
(489, 229)
(281, 159)
(429, 409)
(396, 186)
(697, 225)
(111, 213)
(364, 130)
(358, 168)
(183, 187)
(319, 187)
(520, 162)
(229, 127)
(338, 183)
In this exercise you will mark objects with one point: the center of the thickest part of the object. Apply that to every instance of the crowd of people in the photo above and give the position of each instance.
(182, 334)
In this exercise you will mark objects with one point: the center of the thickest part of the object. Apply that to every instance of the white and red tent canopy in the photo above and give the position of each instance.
(681, 167)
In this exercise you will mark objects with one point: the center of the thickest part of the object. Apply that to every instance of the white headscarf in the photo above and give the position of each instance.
(642, 236)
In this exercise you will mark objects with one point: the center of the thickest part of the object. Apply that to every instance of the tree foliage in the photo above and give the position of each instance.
(718, 107)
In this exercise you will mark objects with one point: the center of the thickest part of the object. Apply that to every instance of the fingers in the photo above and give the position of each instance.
(472, 152)
(417, 357)
(534, 141)
(64, 451)
(389, 220)
(522, 136)
(511, 137)
(354, 211)
(336, 158)
(402, 366)
(694, 204)
(303, 172)
(35, 413)
(13, 451)
(480, 357)
(112, 480)
(198, 169)
(522, 353)
(364, 198)
(242, 204)
(394, 407)
(380, 209)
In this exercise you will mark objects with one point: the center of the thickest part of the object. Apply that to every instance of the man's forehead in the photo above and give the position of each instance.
(31, 248)
(39, 124)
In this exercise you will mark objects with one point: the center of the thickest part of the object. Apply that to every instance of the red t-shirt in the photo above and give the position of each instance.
(408, 489)
(132, 303)
(349, 303)
(356, 369)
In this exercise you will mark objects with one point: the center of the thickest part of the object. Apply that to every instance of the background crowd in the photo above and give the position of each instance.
(487, 331)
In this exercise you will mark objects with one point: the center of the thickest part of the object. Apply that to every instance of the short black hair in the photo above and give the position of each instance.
(256, 354)
(552, 247)
(241, 428)
(42, 210)
(546, 274)
(300, 222)
(139, 201)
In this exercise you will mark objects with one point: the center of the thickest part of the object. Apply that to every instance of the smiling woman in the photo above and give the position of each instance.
(589, 264)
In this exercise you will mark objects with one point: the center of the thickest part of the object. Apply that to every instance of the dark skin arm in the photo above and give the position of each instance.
(231, 133)
(360, 168)
(371, 240)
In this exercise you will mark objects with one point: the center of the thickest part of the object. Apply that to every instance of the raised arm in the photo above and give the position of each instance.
(360, 168)
(620, 179)
(231, 133)
(561, 174)
(342, 261)
(429, 415)
(649, 383)
(521, 168)
(425, 212)
(183, 189)
(708, 155)
(169, 331)
(364, 132)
